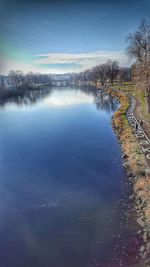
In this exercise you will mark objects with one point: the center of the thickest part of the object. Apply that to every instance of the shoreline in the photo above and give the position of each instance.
(136, 161)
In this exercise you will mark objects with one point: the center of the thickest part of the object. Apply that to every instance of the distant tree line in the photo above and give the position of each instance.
(103, 73)
(18, 79)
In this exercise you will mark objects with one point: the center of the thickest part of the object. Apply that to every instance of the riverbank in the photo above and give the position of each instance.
(136, 166)
(142, 108)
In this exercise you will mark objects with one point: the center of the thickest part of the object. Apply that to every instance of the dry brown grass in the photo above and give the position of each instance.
(136, 161)
(143, 184)
(125, 133)
(142, 187)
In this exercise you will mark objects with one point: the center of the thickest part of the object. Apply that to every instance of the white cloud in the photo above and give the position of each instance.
(7, 64)
(71, 62)
(81, 61)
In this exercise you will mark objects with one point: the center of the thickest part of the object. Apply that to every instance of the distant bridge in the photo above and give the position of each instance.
(60, 82)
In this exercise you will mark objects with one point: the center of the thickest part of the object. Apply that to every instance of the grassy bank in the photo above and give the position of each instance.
(130, 145)
(138, 91)
(135, 164)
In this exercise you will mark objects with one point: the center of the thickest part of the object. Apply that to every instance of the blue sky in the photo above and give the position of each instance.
(66, 36)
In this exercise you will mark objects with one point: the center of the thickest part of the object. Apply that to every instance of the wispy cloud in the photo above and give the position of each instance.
(80, 61)
(62, 62)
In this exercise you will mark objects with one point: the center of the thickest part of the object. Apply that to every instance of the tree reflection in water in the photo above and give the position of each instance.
(102, 99)
(27, 97)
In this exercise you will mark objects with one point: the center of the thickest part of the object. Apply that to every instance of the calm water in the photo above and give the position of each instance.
(64, 196)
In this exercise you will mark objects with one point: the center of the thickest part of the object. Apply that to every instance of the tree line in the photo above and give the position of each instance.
(104, 73)
(18, 79)
(138, 49)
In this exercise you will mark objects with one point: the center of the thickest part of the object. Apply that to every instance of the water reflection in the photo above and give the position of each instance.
(105, 101)
(58, 97)
(27, 97)
(68, 98)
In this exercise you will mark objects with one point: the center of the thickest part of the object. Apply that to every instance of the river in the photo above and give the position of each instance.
(64, 195)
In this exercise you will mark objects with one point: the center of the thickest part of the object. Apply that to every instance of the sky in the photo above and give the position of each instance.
(64, 36)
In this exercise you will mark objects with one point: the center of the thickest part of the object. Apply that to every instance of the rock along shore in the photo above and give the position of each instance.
(135, 146)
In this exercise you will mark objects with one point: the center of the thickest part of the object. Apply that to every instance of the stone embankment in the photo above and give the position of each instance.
(136, 156)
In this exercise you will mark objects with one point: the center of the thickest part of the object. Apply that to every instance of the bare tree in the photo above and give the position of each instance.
(101, 72)
(112, 70)
(17, 78)
(21, 81)
(124, 74)
(139, 48)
